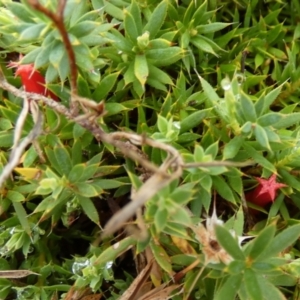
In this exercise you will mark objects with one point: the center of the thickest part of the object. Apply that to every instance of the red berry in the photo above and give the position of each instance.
(32, 80)
(265, 192)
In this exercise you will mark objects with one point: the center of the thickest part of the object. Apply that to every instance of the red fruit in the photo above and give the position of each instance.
(32, 80)
(265, 192)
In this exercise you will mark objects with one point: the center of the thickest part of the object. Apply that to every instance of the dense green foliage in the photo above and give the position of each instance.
(218, 81)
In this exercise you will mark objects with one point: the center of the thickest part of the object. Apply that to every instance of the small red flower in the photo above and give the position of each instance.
(265, 192)
(32, 80)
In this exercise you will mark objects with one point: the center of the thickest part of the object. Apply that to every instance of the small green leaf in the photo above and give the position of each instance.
(22, 217)
(223, 189)
(76, 173)
(89, 209)
(161, 219)
(130, 26)
(262, 241)
(165, 56)
(63, 159)
(83, 87)
(248, 108)
(212, 150)
(287, 121)
(115, 250)
(21, 11)
(259, 158)
(158, 74)
(281, 242)
(85, 189)
(229, 243)
(269, 119)
(15, 196)
(111, 183)
(105, 86)
(261, 136)
(203, 45)
(141, 70)
(33, 32)
(268, 289)
(229, 289)
(113, 10)
(179, 215)
(157, 19)
(114, 108)
(268, 99)
(209, 91)
(212, 27)
(193, 120)
(161, 256)
(83, 28)
(76, 152)
(252, 285)
(232, 148)
(136, 13)
(236, 267)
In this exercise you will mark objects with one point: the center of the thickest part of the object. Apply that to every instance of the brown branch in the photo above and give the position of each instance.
(58, 21)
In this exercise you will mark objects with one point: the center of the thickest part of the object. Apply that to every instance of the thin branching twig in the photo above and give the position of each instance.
(19, 148)
(170, 170)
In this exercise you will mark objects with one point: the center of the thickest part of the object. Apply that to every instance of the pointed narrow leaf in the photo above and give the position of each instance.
(85, 189)
(223, 189)
(261, 136)
(63, 159)
(157, 19)
(281, 241)
(229, 243)
(22, 217)
(212, 27)
(141, 70)
(229, 289)
(89, 209)
(130, 26)
(161, 256)
(271, 97)
(203, 45)
(165, 56)
(252, 285)
(105, 86)
(115, 250)
(136, 13)
(193, 120)
(269, 291)
(269, 119)
(232, 148)
(248, 108)
(159, 75)
(161, 219)
(209, 92)
(259, 158)
(287, 121)
(262, 241)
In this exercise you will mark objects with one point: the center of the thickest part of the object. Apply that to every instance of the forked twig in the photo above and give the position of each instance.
(19, 147)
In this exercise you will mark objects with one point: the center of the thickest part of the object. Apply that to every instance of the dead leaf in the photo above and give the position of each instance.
(160, 293)
(77, 294)
(12, 274)
(183, 245)
(137, 284)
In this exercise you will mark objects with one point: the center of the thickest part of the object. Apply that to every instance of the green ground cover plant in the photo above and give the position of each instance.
(165, 162)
